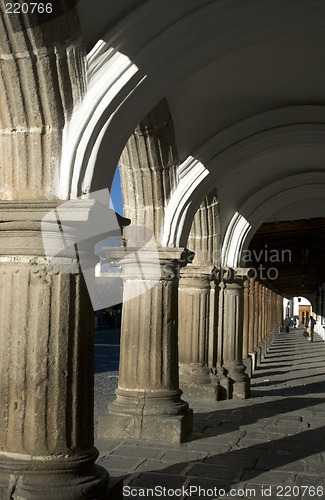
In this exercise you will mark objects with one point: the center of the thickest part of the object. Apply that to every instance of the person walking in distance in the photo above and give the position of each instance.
(311, 328)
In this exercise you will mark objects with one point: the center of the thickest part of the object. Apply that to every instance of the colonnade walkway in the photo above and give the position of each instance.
(269, 446)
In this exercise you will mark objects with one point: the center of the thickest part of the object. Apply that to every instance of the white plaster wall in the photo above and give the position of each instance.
(296, 304)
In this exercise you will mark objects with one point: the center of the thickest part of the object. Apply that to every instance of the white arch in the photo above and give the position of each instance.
(252, 214)
(275, 130)
(130, 70)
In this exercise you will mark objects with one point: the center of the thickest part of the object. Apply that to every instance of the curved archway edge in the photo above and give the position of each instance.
(242, 228)
(123, 88)
(197, 179)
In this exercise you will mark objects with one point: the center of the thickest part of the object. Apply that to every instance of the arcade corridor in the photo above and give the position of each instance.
(214, 112)
(274, 439)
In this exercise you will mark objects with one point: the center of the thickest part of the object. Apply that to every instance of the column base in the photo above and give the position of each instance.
(241, 390)
(198, 381)
(225, 386)
(238, 380)
(193, 373)
(248, 363)
(72, 478)
(149, 416)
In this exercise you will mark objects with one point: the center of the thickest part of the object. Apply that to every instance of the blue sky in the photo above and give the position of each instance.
(116, 194)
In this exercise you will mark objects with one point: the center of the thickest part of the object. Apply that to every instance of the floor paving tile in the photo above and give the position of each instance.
(275, 439)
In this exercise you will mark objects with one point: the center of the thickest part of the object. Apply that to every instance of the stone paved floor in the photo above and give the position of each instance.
(269, 446)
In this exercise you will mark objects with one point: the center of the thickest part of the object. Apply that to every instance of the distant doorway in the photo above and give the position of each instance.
(304, 314)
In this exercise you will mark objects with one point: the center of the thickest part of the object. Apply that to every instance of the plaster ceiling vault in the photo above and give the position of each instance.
(245, 83)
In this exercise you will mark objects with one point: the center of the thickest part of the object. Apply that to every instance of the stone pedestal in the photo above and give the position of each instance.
(193, 332)
(148, 402)
(46, 367)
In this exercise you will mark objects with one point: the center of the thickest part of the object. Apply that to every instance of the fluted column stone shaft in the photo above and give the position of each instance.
(266, 318)
(42, 78)
(196, 289)
(271, 320)
(270, 310)
(148, 169)
(148, 401)
(225, 390)
(193, 330)
(248, 326)
(232, 336)
(251, 321)
(213, 325)
(264, 312)
(280, 311)
(260, 325)
(274, 312)
(269, 332)
(46, 367)
(245, 318)
(261, 314)
(257, 313)
(204, 236)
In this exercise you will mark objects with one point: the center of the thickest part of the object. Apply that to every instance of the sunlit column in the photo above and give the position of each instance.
(246, 331)
(148, 402)
(233, 337)
(193, 331)
(46, 366)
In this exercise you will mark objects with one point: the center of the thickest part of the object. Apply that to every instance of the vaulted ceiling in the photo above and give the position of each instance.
(224, 78)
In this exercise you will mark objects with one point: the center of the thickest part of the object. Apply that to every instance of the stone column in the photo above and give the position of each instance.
(280, 312)
(213, 325)
(43, 77)
(251, 325)
(148, 402)
(270, 320)
(147, 167)
(247, 313)
(271, 330)
(224, 390)
(193, 332)
(264, 320)
(261, 314)
(46, 366)
(260, 300)
(256, 323)
(267, 320)
(274, 315)
(232, 325)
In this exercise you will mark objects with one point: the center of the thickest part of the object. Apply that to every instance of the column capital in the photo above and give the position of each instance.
(54, 227)
(201, 272)
(233, 275)
(152, 263)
